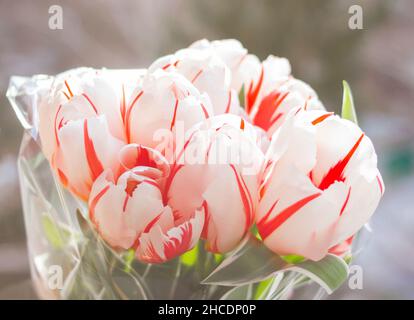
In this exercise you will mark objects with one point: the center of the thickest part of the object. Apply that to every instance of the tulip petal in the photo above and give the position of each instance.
(161, 244)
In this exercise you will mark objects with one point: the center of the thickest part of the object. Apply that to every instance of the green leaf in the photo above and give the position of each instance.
(56, 236)
(129, 257)
(252, 262)
(329, 273)
(293, 258)
(239, 293)
(190, 257)
(262, 288)
(255, 232)
(242, 97)
(348, 107)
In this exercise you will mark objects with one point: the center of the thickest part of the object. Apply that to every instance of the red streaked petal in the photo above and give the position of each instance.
(268, 227)
(67, 86)
(62, 178)
(175, 114)
(176, 246)
(123, 103)
(94, 163)
(90, 102)
(252, 93)
(336, 172)
(346, 202)
(380, 185)
(267, 108)
(128, 116)
(321, 118)
(55, 126)
(197, 75)
(94, 202)
(206, 115)
(245, 196)
(166, 66)
(151, 255)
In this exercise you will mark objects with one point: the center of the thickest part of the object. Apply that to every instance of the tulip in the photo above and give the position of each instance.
(85, 147)
(273, 92)
(274, 104)
(81, 129)
(222, 178)
(165, 238)
(121, 208)
(243, 66)
(270, 92)
(79, 94)
(207, 72)
(164, 100)
(321, 184)
(129, 212)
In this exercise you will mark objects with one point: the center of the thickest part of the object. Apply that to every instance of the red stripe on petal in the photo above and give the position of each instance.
(63, 178)
(90, 102)
(66, 95)
(175, 246)
(253, 92)
(154, 184)
(56, 127)
(128, 116)
(174, 115)
(245, 196)
(197, 75)
(346, 202)
(321, 118)
(94, 163)
(94, 202)
(380, 185)
(264, 117)
(123, 103)
(261, 225)
(166, 66)
(151, 255)
(241, 124)
(206, 115)
(67, 86)
(337, 171)
(268, 227)
(152, 223)
(207, 217)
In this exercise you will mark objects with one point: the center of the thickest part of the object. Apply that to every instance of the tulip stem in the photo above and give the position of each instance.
(175, 281)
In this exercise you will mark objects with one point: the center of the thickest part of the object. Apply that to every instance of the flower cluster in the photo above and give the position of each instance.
(209, 142)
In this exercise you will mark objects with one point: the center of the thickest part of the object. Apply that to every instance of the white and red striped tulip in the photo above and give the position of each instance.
(243, 66)
(272, 92)
(82, 93)
(129, 211)
(164, 100)
(165, 238)
(121, 208)
(271, 107)
(321, 184)
(223, 179)
(84, 148)
(207, 72)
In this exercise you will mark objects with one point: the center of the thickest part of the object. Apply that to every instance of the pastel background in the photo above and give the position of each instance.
(377, 61)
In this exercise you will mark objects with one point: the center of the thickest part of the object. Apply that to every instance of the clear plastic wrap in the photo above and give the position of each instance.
(69, 260)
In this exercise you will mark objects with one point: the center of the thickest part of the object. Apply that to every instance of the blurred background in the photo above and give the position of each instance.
(377, 61)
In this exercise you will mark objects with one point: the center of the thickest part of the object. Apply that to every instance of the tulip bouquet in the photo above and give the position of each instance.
(208, 175)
